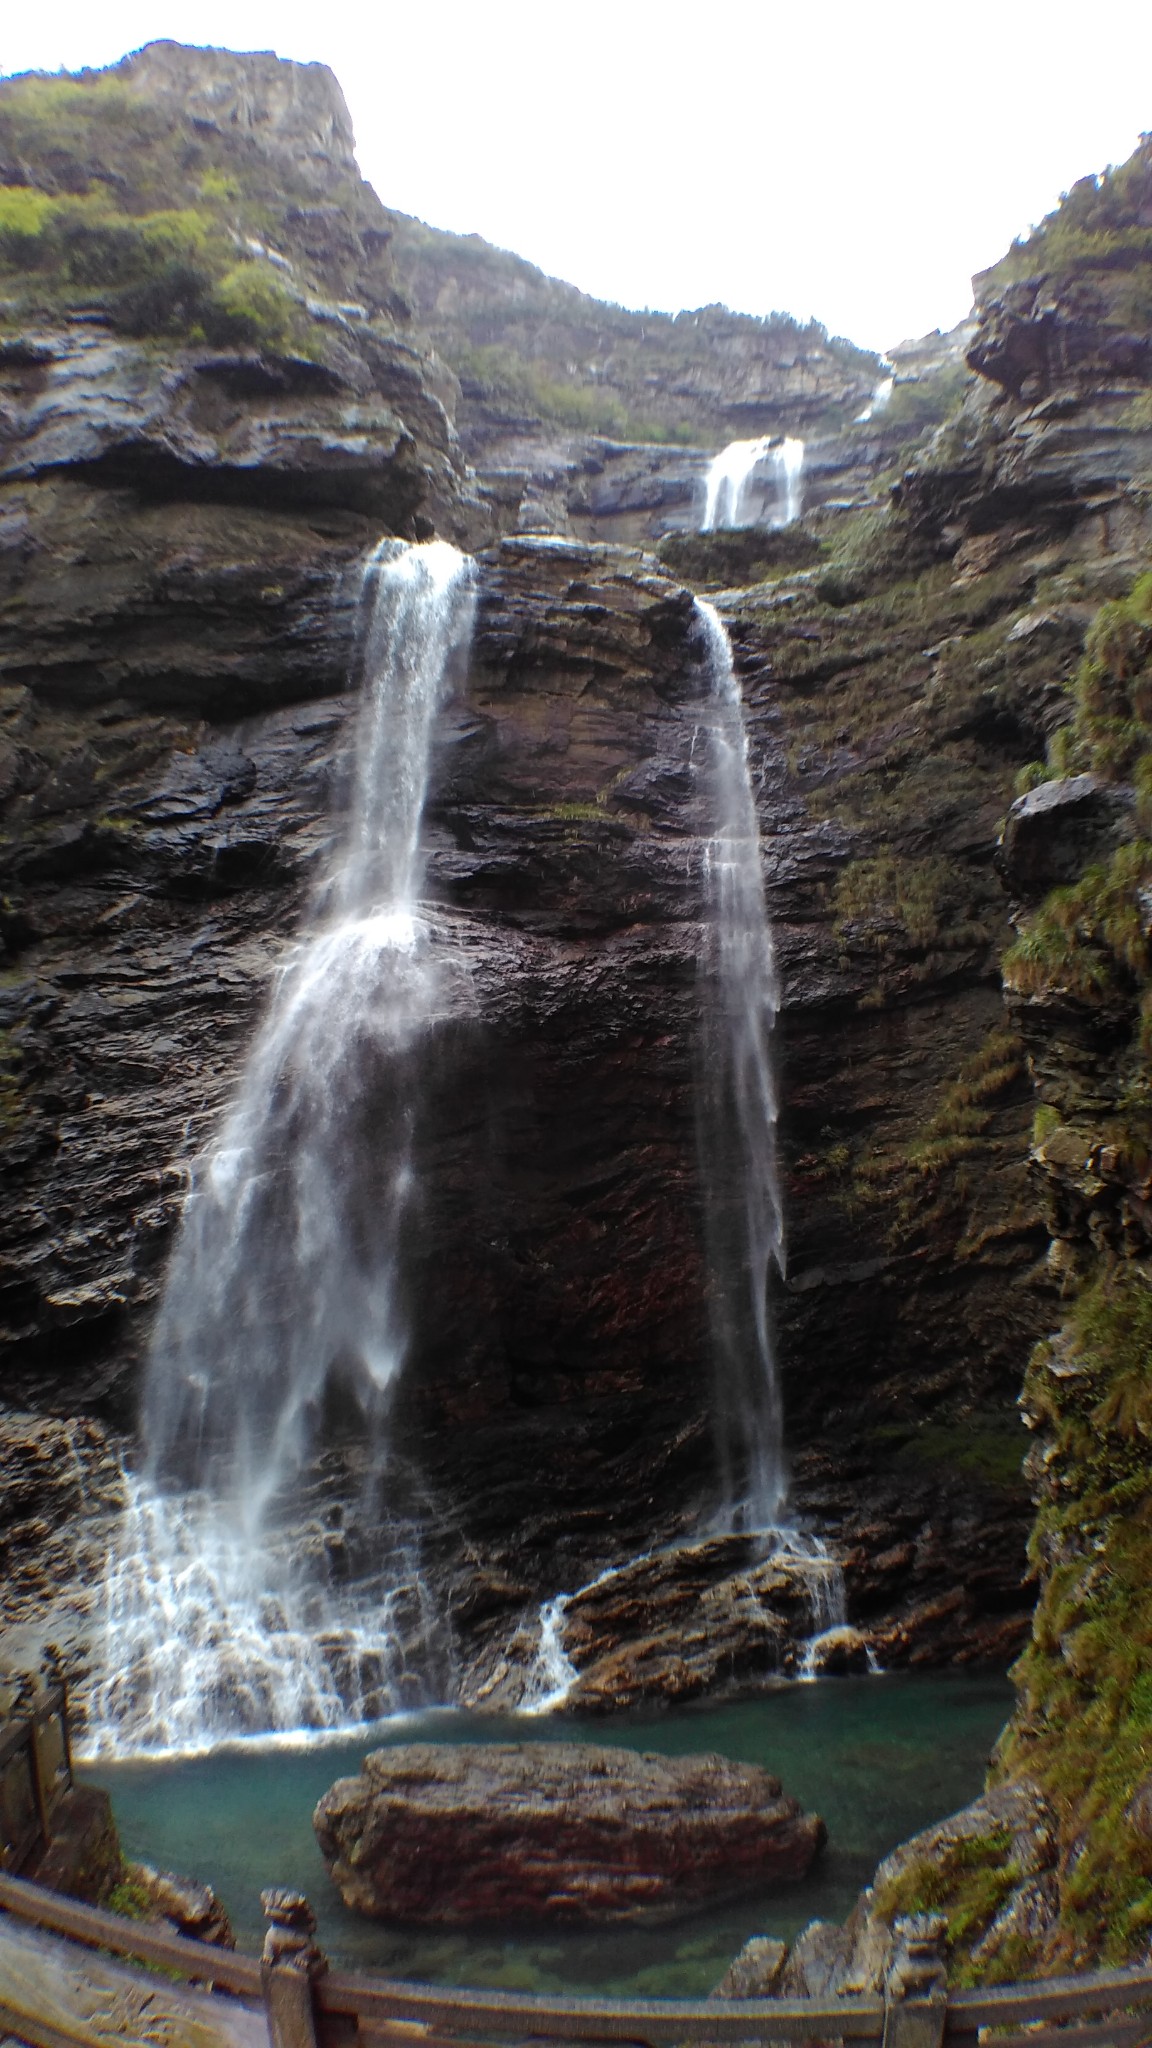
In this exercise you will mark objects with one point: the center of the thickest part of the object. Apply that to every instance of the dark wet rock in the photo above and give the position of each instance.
(83, 1857)
(248, 428)
(1058, 829)
(726, 1614)
(835, 1652)
(569, 1832)
(686, 1622)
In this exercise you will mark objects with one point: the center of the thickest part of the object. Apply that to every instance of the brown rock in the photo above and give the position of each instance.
(184, 1905)
(555, 1831)
(755, 1972)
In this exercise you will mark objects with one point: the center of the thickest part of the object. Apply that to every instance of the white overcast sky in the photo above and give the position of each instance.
(854, 162)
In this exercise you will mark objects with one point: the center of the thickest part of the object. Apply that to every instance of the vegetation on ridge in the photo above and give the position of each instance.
(1091, 937)
(521, 340)
(110, 203)
(1100, 233)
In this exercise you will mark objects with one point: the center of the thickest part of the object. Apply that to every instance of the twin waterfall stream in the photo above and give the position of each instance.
(260, 1575)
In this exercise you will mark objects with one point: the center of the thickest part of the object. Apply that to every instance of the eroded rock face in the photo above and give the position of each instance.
(360, 431)
(292, 110)
(567, 1832)
(1004, 1846)
(1055, 441)
(691, 1620)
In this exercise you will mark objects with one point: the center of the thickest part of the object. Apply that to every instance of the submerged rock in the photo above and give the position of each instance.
(555, 1831)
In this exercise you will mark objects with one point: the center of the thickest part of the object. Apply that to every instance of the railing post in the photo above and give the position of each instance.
(26, 1710)
(52, 1665)
(916, 1983)
(289, 1966)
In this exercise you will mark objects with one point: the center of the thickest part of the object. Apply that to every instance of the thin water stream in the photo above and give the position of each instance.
(879, 1758)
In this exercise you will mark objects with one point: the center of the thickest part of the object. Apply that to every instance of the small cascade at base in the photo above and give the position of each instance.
(268, 1573)
(553, 1674)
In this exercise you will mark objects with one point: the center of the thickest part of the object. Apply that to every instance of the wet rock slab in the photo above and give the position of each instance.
(569, 1832)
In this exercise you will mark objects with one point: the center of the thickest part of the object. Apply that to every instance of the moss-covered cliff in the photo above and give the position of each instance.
(1043, 476)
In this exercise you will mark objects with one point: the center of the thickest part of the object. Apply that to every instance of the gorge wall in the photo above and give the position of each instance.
(1044, 475)
(182, 522)
(189, 479)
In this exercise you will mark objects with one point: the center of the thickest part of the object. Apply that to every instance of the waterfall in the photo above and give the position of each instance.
(264, 1580)
(737, 1111)
(877, 403)
(788, 462)
(736, 1116)
(730, 476)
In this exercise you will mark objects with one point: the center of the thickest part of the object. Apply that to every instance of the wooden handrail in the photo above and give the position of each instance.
(582, 2018)
(457, 2014)
(95, 1927)
(1049, 1997)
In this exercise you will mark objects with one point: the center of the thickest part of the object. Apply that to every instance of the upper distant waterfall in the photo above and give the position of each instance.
(283, 1325)
(788, 460)
(737, 1112)
(729, 484)
(878, 401)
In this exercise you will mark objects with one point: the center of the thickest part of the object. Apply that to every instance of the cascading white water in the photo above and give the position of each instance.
(878, 401)
(730, 476)
(736, 1121)
(737, 1114)
(788, 461)
(230, 1603)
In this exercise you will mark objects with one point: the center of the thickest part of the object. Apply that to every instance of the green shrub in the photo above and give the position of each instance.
(926, 899)
(1088, 938)
(252, 306)
(24, 215)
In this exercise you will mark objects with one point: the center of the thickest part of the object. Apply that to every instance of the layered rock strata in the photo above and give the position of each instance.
(565, 1832)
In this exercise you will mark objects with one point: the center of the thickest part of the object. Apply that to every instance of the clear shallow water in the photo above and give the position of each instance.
(879, 1758)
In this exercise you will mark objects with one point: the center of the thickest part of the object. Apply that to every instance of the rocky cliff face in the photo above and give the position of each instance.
(1049, 1871)
(1055, 443)
(181, 528)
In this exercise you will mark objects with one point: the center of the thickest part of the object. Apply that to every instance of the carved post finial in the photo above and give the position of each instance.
(288, 1942)
(290, 1964)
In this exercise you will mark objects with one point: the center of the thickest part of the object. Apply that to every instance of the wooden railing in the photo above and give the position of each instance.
(71, 1977)
(35, 1768)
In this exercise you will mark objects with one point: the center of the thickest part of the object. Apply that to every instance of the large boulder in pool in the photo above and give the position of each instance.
(568, 1831)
